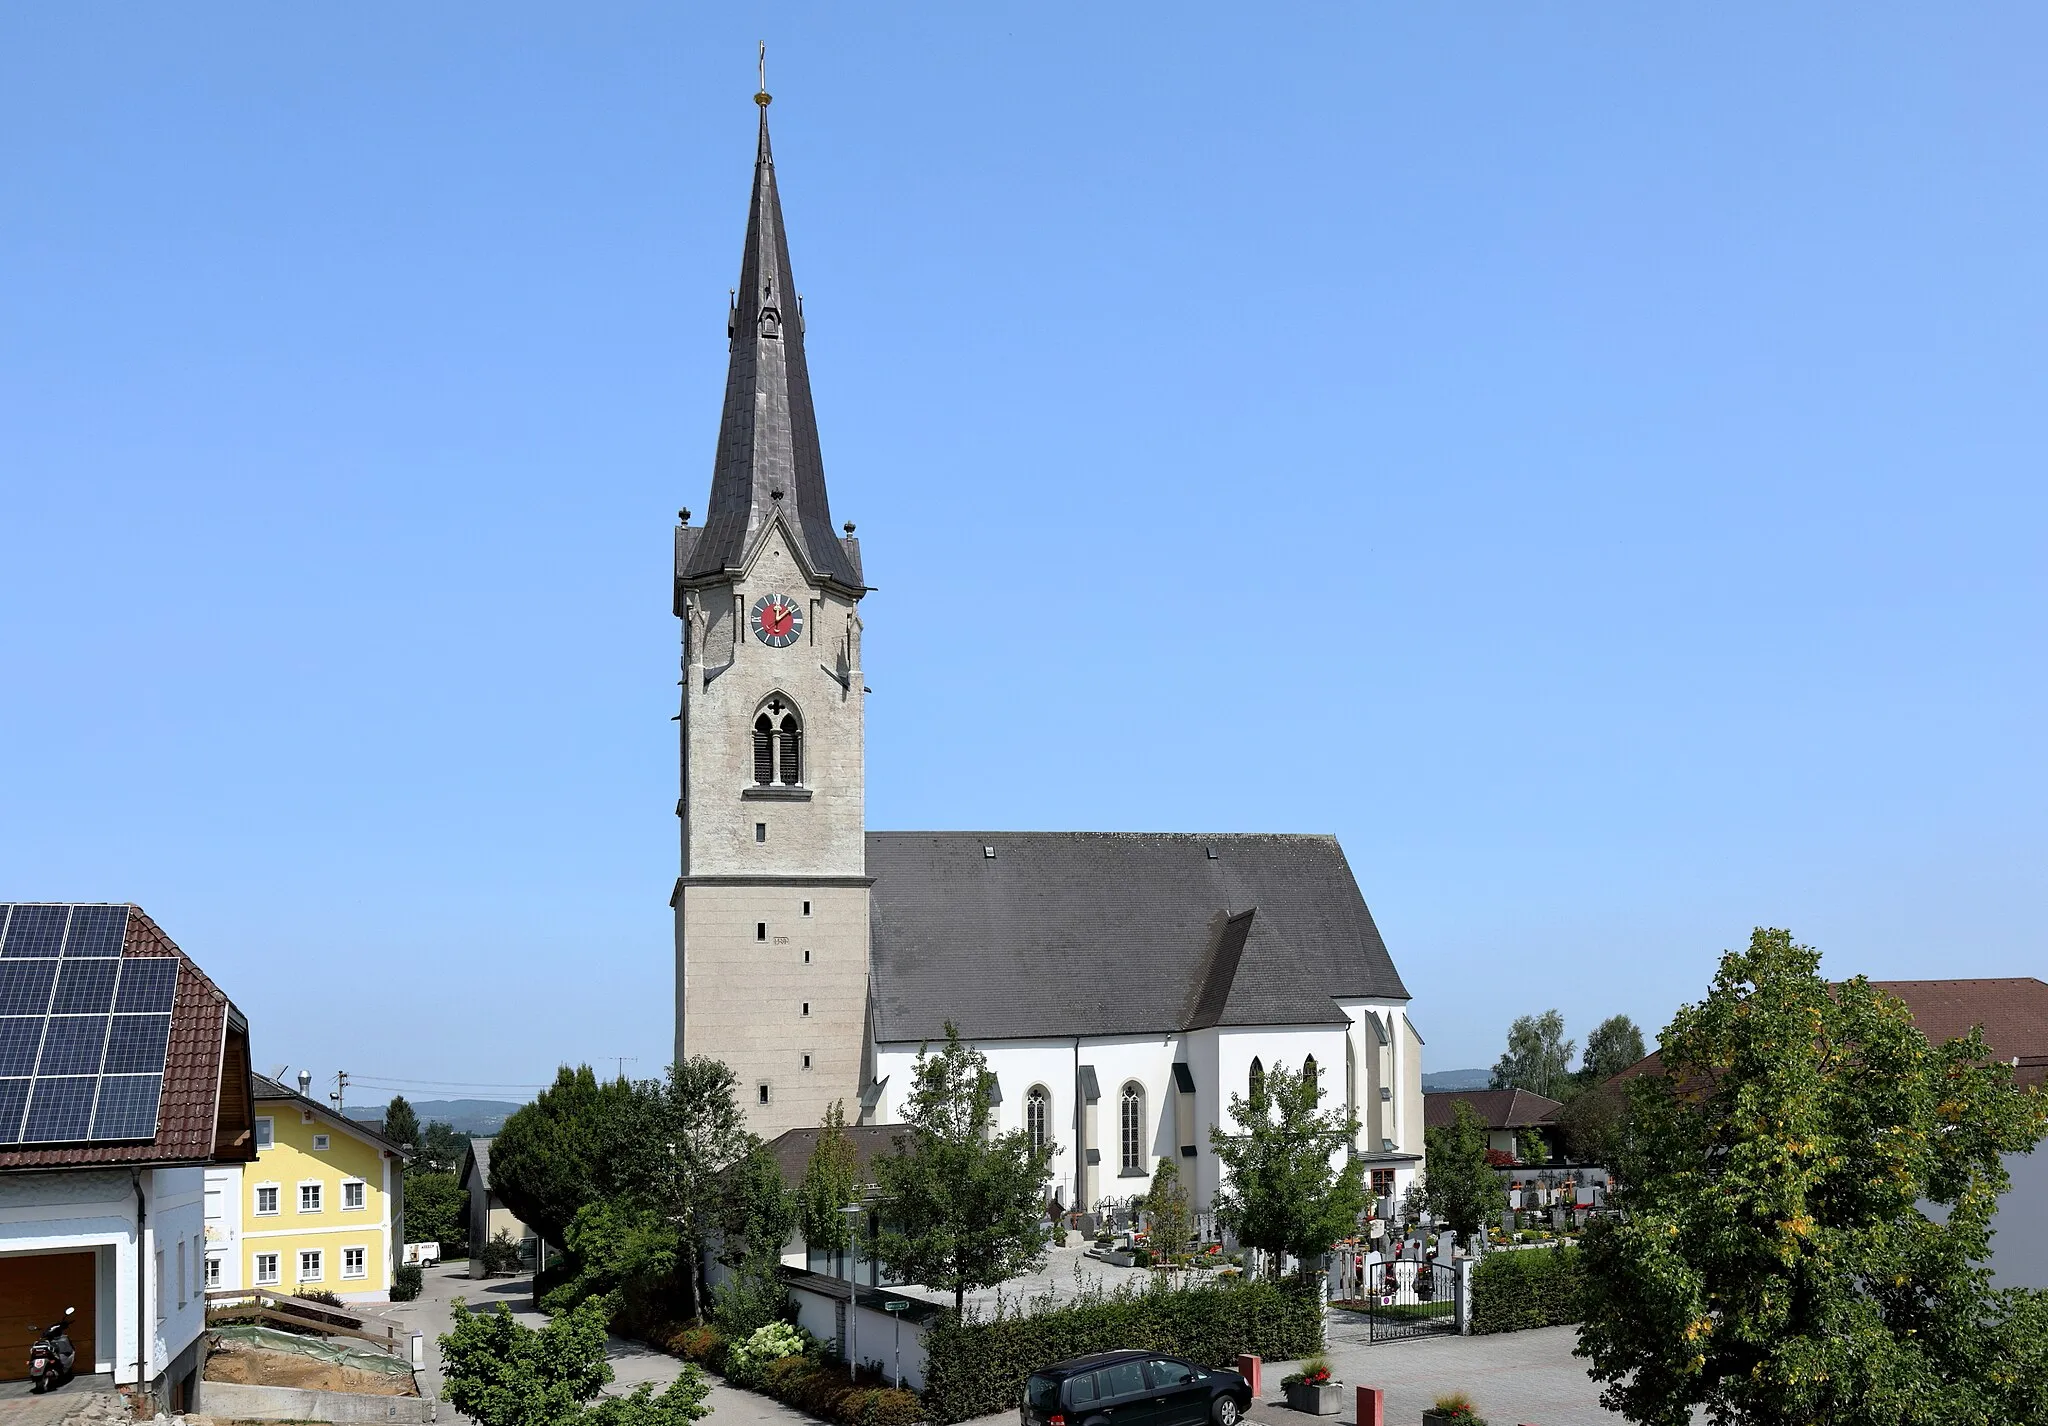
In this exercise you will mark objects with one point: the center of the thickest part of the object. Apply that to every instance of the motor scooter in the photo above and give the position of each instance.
(53, 1360)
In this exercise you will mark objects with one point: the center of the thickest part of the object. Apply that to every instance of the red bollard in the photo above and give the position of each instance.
(1372, 1406)
(1248, 1368)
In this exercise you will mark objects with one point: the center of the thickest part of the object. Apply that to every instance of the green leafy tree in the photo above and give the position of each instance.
(756, 1219)
(831, 1181)
(1809, 1189)
(1281, 1193)
(442, 1147)
(1173, 1220)
(1459, 1186)
(617, 1248)
(1538, 1057)
(1614, 1045)
(963, 1202)
(401, 1125)
(499, 1373)
(1594, 1124)
(435, 1210)
(558, 1153)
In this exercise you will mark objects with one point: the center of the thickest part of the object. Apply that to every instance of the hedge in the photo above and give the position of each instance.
(808, 1383)
(1517, 1289)
(977, 1366)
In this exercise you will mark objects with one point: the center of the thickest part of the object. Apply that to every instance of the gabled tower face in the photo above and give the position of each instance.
(772, 904)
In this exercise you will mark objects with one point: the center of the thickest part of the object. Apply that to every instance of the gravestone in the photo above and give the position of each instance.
(1557, 1220)
(1507, 1224)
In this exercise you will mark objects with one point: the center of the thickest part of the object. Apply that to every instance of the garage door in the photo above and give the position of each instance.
(35, 1288)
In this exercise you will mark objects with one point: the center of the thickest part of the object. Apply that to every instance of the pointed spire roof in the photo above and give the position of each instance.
(768, 461)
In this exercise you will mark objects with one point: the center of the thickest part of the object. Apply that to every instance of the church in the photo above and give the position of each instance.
(1123, 986)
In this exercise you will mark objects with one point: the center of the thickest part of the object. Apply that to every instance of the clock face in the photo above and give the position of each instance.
(777, 620)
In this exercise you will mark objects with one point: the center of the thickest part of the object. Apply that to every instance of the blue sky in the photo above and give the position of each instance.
(1590, 459)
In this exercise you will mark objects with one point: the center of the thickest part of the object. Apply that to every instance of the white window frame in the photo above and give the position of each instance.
(362, 1195)
(266, 1132)
(275, 1276)
(211, 1274)
(363, 1269)
(322, 1143)
(319, 1195)
(319, 1257)
(277, 1203)
(1131, 1130)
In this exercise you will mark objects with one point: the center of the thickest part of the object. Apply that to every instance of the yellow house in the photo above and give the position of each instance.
(322, 1209)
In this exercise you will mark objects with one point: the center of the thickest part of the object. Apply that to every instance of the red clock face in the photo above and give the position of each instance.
(777, 620)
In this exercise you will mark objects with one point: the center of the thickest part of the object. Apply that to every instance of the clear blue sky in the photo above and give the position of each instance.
(1588, 458)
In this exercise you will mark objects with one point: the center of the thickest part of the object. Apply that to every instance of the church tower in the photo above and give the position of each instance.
(772, 904)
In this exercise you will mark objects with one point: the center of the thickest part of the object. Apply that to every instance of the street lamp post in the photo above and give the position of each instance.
(854, 1212)
(896, 1310)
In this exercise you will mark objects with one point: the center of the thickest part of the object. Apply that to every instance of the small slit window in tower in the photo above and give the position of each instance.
(760, 831)
(760, 930)
(807, 1007)
(761, 1092)
(807, 908)
(807, 955)
(807, 1059)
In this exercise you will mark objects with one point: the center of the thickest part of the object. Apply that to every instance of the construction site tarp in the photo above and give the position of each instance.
(334, 1353)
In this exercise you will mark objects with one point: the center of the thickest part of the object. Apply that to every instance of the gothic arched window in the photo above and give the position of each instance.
(1258, 1080)
(778, 744)
(1037, 1115)
(1132, 1129)
(1308, 1072)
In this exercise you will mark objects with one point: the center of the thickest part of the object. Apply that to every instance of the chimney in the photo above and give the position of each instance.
(305, 1080)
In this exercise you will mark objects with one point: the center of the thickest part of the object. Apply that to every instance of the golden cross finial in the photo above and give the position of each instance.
(761, 98)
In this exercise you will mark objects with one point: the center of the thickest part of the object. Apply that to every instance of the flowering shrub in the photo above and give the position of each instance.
(745, 1361)
(1458, 1408)
(1314, 1372)
(1499, 1159)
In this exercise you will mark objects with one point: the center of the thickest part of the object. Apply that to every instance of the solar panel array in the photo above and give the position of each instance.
(83, 1029)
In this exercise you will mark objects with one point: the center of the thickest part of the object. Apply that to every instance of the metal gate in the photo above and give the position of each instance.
(1413, 1300)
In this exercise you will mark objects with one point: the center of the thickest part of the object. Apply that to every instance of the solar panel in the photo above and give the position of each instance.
(137, 1044)
(59, 1108)
(25, 987)
(13, 1097)
(147, 985)
(85, 987)
(20, 1037)
(83, 1030)
(127, 1107)
(96, 931)
(35, 930)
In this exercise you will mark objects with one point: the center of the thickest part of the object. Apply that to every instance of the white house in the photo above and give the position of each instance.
(124, 1072)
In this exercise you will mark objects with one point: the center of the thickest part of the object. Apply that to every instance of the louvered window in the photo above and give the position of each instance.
(764, 751)
(792, 751)
(778, 744)
(1133, 1128)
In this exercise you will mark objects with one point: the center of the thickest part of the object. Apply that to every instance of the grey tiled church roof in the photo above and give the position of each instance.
(768, 459)
(1099, 933)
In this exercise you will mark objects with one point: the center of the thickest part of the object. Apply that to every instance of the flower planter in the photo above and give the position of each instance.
(1324, 1400)
(1433, 1417)
(1120, 1257)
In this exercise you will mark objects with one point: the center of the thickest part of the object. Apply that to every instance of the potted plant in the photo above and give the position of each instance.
(1456, 1409)
(1314, 1389)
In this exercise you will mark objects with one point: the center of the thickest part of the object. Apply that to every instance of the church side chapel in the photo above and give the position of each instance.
(816, 957)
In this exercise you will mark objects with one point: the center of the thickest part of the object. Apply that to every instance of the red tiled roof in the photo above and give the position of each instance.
(1496, 1108)
(190, 1108)
(2013, 1013)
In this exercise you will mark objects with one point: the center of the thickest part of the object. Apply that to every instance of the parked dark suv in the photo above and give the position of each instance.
(1133, 1389)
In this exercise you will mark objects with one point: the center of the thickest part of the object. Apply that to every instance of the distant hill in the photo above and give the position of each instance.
(481, 1117)
(1442, 1079)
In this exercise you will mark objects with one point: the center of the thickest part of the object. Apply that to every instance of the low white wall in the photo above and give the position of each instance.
(290, 1403)
(874, 1335)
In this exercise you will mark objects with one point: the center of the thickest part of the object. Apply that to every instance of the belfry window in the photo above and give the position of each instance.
(1132, 1129)
(778, 745)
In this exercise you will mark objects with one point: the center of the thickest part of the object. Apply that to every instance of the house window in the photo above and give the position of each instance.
(778, 745)
(1037, 1111)
(309, 1198)
(355, 1262)
(163, 1305)
(309, 1264)
(1383, 1183)
(212, 1273)
(355, 1194)
(182, 1294)
(266, 1199)
(320, 1143)
(264, 1131)
(1132, 1129)
(266, 1269)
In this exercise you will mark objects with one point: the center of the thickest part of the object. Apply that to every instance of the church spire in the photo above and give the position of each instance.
(768, 460)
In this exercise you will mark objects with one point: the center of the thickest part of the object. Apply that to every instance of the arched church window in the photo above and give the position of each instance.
(778, 744)
(1132, 1128)
(1257, 1086)
(1037, 1115)
(1308, 1071)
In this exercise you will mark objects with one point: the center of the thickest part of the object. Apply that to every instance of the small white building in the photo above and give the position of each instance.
(124, 1073)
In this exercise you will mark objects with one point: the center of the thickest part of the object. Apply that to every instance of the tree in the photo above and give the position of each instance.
(831, 1182)
(401, 1125)
(1809, 1193)
(963, 1202)
(434, 1210)
(442, 1148)
(1538, 1058)
(499, 1373)
(1281, 1192)
(1459, 1185)
(756, 1219)
(556, 1154)
(1612, 1047)
(617, 1248)
(1173, 1222)
(1593, 1124)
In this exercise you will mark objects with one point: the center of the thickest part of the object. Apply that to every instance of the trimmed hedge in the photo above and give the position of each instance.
(1536, 1287)
(975, 1367)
